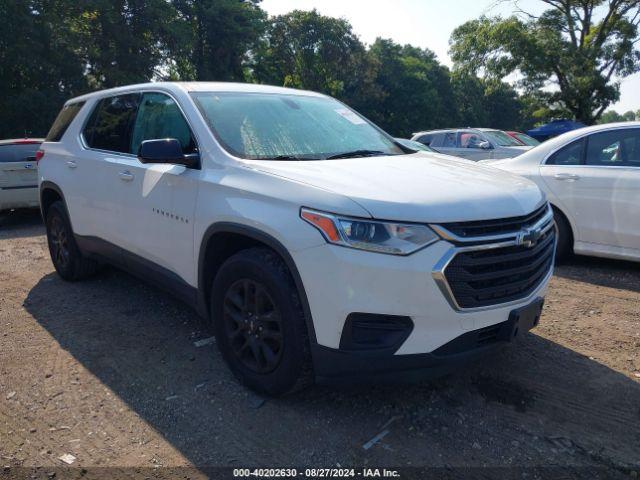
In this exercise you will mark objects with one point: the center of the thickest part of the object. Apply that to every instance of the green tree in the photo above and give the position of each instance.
(413, 89)
(308, 50)
(611, 116)
(488, 103)
(39, 67)
(571, 55)
(219, 38)
(121, 41)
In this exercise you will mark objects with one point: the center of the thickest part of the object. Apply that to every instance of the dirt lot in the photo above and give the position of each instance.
(107, 371)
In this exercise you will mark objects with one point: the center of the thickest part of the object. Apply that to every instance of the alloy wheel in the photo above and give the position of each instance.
(253, 325)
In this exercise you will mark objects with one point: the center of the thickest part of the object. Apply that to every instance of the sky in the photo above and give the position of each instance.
(426, 24)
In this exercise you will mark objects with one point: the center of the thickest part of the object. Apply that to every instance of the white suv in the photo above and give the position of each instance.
(317, 246)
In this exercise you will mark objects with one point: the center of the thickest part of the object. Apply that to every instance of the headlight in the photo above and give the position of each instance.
(371, 235)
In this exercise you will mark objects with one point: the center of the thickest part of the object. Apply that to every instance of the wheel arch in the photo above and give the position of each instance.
(220, 241)
(558, 210)
(49, 193)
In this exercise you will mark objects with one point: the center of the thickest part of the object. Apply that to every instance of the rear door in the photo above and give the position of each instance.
(95, 186)
(18, 174)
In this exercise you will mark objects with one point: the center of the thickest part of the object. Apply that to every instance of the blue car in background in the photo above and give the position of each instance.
(553, 129)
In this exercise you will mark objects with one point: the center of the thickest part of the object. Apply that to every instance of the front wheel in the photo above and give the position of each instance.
(564, 240)
(259, 323)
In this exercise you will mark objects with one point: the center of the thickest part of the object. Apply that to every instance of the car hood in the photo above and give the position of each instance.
(421, 187)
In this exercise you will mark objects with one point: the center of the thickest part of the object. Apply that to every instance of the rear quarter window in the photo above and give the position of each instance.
(62, 121)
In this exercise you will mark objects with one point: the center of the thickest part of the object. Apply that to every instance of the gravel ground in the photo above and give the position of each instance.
(108, 371)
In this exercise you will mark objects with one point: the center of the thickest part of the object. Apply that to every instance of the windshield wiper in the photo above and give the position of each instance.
(282, 157)
(357, 153)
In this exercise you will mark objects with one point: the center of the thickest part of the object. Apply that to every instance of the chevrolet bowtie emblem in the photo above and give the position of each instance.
(529, 237)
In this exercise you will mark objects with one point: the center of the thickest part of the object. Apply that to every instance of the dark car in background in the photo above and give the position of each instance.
(19, 173)
(553, 129)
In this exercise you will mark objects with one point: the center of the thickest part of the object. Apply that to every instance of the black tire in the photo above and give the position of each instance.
(564, 245)
(269, 351)
(67, 258)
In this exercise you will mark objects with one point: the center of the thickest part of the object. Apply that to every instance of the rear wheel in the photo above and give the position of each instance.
(259, 323)
(564, 245)
(66, 256)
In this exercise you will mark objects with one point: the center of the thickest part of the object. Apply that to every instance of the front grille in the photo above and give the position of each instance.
(483, 277)
(496, 227)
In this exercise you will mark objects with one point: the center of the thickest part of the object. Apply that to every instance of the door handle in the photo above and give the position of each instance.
(72, 164)
(126, 176)
(566, 176)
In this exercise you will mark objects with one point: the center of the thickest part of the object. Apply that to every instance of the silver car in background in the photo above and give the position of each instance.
(19, 173)
(472, 143)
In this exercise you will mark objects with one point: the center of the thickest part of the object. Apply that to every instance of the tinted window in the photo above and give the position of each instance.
(426, 139)
(275, 126)
(109, 127)
(18, 152)
(569, 155)
(436, 139)
(614, 148)
(159, 117)
(469, 140)
(62, 121)
(501, 139)
(449, 140)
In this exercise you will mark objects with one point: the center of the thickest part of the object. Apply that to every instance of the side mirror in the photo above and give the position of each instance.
(485, 145)
(166, 150)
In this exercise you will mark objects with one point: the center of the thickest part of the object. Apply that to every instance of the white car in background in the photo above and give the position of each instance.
(18, 173)
(472, 143)
(592, 179)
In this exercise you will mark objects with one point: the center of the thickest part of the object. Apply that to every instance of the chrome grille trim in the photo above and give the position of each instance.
(489, 242)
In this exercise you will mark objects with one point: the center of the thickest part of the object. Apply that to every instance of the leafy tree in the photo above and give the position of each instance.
(121, 41)
(414, 89)
(308, 50)
(571, 55)
(487, 103)
(611, 116)
(39, 68)
(219, 38)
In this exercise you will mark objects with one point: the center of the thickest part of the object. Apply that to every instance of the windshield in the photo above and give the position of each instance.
(263, 126)
(502, 139)
(527, 140)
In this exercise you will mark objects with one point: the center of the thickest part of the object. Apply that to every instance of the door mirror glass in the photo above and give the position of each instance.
(166, 150)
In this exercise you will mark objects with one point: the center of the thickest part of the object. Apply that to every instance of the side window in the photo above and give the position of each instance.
(160, 117)
(568, 155)
(109, 127)
(436, 139)
(614, 148)
(425, 139)
(62, 121)
(469, 140)
(449, 140)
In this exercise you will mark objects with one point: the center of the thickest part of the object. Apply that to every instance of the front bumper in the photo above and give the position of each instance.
(343, 367)
(339, 281)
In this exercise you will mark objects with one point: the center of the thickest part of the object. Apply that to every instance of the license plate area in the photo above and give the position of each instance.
(525, 318)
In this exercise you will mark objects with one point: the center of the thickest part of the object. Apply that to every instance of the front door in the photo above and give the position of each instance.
(160, 199)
